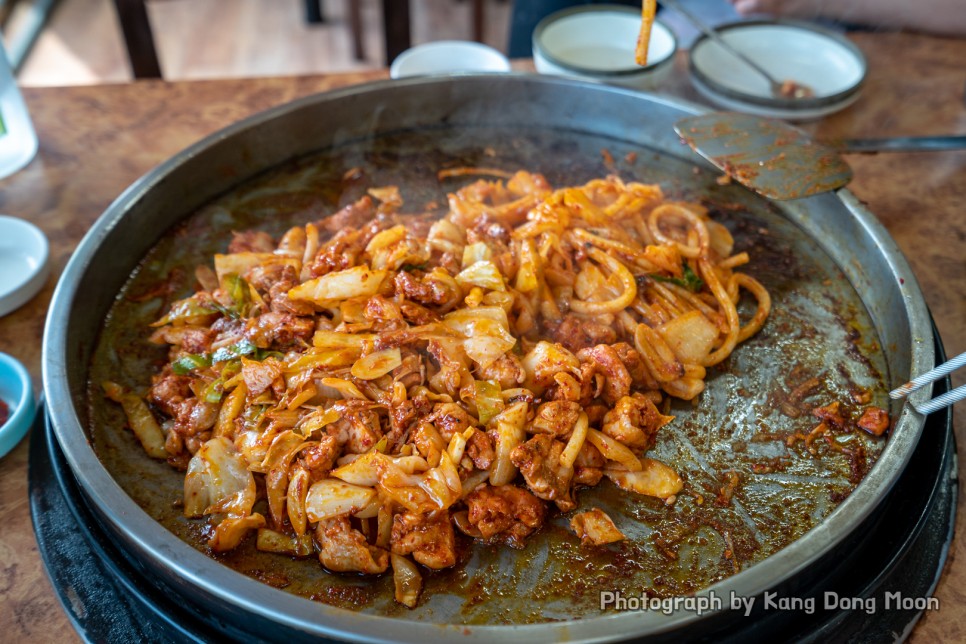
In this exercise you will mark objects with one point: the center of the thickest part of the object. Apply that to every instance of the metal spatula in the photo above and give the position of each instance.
(781, 162)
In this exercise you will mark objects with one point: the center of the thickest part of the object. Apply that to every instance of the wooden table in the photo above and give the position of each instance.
(95, 141)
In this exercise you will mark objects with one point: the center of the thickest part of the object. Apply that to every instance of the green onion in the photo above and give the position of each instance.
(689, 279)
(189, 362)
(237, 289)
(237, 350)
(185, 310)
(214, 391)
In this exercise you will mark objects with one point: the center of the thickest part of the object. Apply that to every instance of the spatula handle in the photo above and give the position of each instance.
(904, 144)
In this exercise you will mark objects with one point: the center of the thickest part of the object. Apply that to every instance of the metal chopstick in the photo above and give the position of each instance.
(918, 382)
(939, 402)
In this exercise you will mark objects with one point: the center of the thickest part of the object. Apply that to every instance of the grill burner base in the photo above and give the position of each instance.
(902, 551)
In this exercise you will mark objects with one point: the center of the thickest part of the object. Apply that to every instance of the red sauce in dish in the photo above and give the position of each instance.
(4, 413)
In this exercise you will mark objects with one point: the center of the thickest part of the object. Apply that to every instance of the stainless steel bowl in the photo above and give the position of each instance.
(837, 223)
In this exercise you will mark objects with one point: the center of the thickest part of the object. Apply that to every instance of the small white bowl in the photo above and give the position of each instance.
(23, 262)
(823, 60)
(448, 57)
(597, 42)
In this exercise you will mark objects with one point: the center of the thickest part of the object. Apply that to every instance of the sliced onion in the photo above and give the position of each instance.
(377, 364)
(654, 479)
(408, 581)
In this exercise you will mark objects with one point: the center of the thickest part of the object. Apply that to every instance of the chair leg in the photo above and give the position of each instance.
(313, 12)
(354, 10)
(138, 38)
(479, 19)
(395, 16)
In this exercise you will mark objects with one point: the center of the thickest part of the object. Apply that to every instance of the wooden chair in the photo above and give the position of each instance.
(139, 39)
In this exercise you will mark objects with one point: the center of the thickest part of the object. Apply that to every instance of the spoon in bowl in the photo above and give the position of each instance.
(785, 89)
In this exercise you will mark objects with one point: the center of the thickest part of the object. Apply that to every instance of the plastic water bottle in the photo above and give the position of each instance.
(18, 141)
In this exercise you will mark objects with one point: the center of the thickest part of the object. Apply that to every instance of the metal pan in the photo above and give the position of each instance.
(847, 306)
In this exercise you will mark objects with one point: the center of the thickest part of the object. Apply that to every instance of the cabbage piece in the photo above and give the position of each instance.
(331, 497)
(339, 285)
(486, 330)
(488, 400)
(241, 263)
(476, 252)
(484, 274)
(218, 481)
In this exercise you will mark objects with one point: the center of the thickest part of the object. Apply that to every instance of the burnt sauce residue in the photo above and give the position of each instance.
(757, 475)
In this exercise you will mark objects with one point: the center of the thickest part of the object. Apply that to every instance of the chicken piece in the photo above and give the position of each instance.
(479, 448)
(577, 333)
(279, 330)
(418, 314)
(450, 375)
(358, 428)
(337, 254)
(556, 418)
(594, 527)
(874, 420)
(353, 215)
(603, 359)
(539, 461)
(450, 418)
(380, 309)
(427, 441)
(169, 391)
(634, 421)
(427, 537)
(412, 371)
(319, 459)
(403, 415)
(589, 476)
(275, 281)
(254, 241)
(196, 339)
(195, 416)
(424, 290)
(831, 414)
(632, 360)
(344, 549)
(505, 513)
(505, 370)
(486, 229)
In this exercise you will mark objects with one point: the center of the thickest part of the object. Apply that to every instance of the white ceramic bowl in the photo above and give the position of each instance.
(23, 262)
(448, 57)
(823, 60)
(597, 42)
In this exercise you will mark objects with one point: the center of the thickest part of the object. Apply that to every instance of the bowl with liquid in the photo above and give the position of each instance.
(597, 42)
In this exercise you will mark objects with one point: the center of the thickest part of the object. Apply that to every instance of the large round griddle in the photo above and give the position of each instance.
(834, 226)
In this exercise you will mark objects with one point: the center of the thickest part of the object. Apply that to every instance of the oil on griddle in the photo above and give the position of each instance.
(755, 478)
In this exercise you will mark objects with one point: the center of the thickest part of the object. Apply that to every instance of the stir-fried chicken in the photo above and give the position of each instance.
(427, 537)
